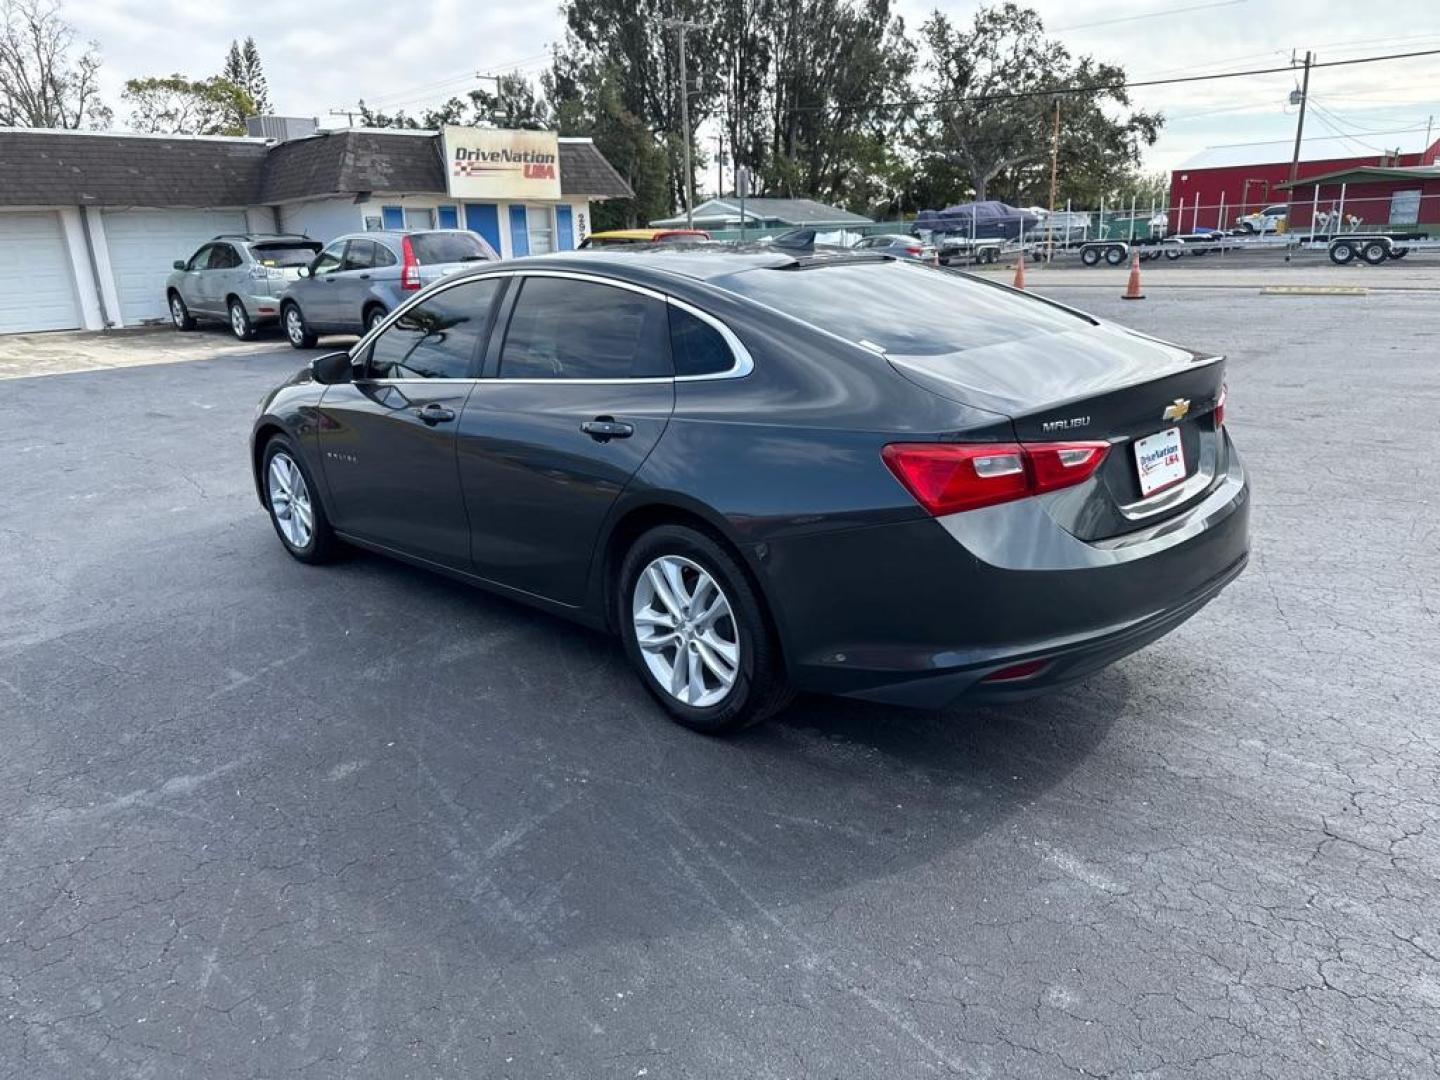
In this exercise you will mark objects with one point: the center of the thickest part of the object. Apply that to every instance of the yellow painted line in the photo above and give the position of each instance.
(1314, 290)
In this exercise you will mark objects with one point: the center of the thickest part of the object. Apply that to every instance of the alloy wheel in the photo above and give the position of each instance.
(686, 631)
(290, 501)
(237, 321)
(177, 311)
(294, 325)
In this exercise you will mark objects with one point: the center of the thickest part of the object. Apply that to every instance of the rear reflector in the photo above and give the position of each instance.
(1017, 671)
(946, 478)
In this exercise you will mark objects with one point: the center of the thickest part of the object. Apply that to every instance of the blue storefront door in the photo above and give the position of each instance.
(484, 218)
(564, 228)
(519, 234)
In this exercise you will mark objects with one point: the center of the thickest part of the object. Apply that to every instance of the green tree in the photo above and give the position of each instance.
(991, 90)
(43, 83)
(587, 101)
(514, 103)
(243, 68)
(176, 105)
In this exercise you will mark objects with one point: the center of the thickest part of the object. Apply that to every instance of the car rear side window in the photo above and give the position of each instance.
(359, 255)
(566, 329)
(384, 256)
(284, 254)
(438, 337)
(903, 308)
(697, 347)
(449, 247)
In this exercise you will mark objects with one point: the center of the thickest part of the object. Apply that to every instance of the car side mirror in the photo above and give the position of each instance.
(178, 264)
(304, 271)
(331, 368)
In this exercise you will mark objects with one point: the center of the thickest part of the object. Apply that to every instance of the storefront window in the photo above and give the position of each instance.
(419, 217)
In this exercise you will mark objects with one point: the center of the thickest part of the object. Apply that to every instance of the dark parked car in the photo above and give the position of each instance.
(359, 279)
(899, 245)
(769, 471)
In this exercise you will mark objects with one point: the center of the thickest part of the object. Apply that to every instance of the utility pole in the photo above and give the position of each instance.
(1429, 123)
(719, 166)
(681, 26)
(1054, 177)
(1299, 133)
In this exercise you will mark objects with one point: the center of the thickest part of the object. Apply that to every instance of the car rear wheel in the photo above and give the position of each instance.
(294, 504)
(180, 314)
(374, 317)
(297, 332)
(695, 631)
(240, 324)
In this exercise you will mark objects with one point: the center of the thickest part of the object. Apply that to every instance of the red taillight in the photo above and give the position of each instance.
(410, 268)
(946, 478)
(913, 250)
(1220, 406)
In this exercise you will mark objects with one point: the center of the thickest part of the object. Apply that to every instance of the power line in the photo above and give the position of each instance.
(1149, 15)
(1096, 88)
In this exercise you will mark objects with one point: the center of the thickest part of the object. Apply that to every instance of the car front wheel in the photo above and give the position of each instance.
(696, 633)
(180, 314)
(294, 504)
(297, 332)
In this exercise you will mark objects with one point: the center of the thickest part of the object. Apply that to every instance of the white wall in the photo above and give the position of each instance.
(322, 219)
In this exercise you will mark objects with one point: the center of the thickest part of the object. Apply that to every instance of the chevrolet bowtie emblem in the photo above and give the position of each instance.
(1176, 410)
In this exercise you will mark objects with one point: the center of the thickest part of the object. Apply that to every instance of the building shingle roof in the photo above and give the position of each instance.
(54, 168)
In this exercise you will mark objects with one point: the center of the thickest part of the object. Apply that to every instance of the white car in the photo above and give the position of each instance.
(1270, 219)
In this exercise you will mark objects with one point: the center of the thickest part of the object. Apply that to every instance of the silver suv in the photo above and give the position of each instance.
(237, 278)
(361, 277)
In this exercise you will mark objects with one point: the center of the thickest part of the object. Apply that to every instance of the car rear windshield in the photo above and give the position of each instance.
(902, 308)
(449, 247)
(284, 254)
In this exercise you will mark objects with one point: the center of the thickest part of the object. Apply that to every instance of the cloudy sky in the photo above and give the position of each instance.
(326, 54)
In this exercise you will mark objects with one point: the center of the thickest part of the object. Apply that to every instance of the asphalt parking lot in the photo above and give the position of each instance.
(263, 819)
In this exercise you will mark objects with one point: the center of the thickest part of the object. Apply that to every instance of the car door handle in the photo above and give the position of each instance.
(604, 428)
(364, 277)
(435, 414)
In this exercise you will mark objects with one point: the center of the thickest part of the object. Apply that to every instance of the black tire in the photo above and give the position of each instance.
(1090, 256)
(759, 689)
(1399, 253)
(1342, 254)
(240, 324)
(1174, 251)
(1374, 253)
(297, 330)
(180, 314)
(323, 546)
(1115, 255)
(374, 315)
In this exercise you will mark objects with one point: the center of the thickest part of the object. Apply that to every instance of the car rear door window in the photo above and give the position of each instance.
(384, 256)
(697, 347)
(359, 255)
(567, 329)
(438, 337)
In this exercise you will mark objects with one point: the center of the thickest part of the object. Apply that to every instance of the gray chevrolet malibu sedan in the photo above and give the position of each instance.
(236, 278)
(361, 277)
(774, 471)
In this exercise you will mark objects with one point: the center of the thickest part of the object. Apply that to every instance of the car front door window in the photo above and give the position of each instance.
(329, 260)
(437, 338)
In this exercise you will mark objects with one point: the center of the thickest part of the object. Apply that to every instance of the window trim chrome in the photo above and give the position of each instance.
(743, 364)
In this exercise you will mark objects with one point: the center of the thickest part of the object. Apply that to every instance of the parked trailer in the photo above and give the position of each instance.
(1376, 248)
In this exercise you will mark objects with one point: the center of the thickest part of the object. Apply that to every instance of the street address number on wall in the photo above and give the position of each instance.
(487, 163)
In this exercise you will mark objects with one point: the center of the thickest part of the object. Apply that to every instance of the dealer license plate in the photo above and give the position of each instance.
(1160, 460)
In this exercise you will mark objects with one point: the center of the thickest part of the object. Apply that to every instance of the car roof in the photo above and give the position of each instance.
(703, 264)
(644, 234)
(265, 238)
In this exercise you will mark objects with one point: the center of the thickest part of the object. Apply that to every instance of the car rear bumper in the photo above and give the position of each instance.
(262, 308)
(921, 613)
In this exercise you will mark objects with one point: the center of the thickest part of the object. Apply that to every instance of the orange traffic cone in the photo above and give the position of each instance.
(1020, 273)
(1133, 290)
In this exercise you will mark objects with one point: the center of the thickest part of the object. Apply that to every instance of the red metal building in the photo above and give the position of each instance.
(1247, 177)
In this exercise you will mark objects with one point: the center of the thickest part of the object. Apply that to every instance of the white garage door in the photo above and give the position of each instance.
(37, 287)
(143, 245)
